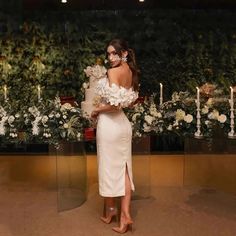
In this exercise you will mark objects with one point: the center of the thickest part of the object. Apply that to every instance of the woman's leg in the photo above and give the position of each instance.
(109, 203)
(125, 200)
(109, 210)
(125, 218)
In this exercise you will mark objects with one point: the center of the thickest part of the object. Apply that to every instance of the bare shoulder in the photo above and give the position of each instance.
(113, 75)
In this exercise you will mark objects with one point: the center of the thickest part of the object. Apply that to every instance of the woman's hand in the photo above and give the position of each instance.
(94, 114)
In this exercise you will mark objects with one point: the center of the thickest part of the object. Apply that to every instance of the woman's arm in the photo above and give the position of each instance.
(104, 108)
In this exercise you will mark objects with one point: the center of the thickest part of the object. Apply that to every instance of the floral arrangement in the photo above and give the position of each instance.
(9, 123)
(179, 115)
(145, 118)
(55, 122)
(47, 122)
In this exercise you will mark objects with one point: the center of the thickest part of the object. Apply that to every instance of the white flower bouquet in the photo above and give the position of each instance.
(145, 118)
(54, 121)
(10, 123)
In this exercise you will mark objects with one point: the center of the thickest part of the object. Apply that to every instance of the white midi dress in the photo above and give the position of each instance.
(114, 140)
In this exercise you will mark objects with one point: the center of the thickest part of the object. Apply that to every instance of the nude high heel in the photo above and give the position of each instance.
(111, 213)
(124, 227)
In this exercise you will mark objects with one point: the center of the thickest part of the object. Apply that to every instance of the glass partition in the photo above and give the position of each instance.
(210, 162)
(141, 167)
(71, 174)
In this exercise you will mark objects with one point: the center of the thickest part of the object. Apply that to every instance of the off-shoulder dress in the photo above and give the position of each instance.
(114, 140)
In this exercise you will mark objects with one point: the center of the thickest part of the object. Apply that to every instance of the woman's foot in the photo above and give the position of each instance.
(111, 213)
(125, 225)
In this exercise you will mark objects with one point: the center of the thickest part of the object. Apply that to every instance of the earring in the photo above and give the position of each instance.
(124, 59)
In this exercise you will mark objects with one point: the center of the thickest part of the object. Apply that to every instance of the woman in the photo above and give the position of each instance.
(114, 135)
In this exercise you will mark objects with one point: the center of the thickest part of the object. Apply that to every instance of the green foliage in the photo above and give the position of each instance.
(180, 48)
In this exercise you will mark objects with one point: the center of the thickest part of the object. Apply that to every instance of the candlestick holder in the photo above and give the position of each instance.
(161, 101)
(231, 134)
(198, 133)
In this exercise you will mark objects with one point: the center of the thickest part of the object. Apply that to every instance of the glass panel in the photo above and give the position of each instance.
(141, 167)
(71, 175)
(210, 163)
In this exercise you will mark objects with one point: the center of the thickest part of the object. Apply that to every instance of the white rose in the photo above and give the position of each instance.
(66, 126)
(188, 118)
(222, 118)
(180, 114)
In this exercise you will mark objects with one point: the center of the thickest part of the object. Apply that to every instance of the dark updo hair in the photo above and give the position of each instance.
(120, 46)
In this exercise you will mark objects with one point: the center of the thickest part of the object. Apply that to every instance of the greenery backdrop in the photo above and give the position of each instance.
(179, 48)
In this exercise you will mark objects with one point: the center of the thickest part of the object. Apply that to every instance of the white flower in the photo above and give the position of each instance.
(209, 102)
(188, 118)
(169, 127)
(158, 115)
(44, 119)
(2, 129)
(205, 110)
(207, 122)
(58, 115)
(149, 119)
(175, 97)
(146, 128)
(213, 115)
(180, 114)
(11, 120)
(66, 106)
(35, 130)
(78, 136)
(34, 111)
(66, 126)
(222, 118)
(139, 108)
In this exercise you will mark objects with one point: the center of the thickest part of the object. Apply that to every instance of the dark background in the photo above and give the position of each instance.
(56, 5)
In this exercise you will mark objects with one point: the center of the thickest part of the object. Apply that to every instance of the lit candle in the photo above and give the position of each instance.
(5, 92)
(231, 96)
(161, 93)
(39, 93)
(198, 96)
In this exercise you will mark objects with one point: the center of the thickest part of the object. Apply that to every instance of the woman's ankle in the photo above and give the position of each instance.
(125, 216)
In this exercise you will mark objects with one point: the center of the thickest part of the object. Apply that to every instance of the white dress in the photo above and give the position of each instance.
(114, 140)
